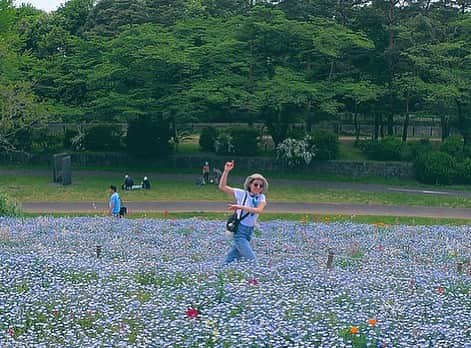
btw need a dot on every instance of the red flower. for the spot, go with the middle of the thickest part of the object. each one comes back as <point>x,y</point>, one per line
<point>11,331</point>
<point>253,281</point>
<point>441,290</point>
<point>192,312</point>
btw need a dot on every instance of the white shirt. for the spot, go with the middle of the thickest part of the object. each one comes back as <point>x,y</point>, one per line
<point>251,201</point>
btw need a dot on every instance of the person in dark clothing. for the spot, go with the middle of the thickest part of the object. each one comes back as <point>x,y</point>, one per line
<point>146,183</point>
<point>128,182</point>
<point>206,172</point>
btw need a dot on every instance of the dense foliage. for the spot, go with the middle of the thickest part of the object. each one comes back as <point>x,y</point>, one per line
<point>384,63</point>
<point>8,207</point>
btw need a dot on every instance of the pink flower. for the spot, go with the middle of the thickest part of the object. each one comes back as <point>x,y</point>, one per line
<point>441,290</point>
<point>192,313</point>
<point>11,331</point>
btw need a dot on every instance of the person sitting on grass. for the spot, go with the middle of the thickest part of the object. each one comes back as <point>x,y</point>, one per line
<point>146,183</point>
<point>128,183</point>
<point>216,175</point>
<point>206,173</point>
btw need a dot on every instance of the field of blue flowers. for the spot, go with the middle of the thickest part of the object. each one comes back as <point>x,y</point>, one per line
<point>98,282</point>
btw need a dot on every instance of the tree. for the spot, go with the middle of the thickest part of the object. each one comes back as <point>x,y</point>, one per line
<point>19,110</point>
<point>110,17</point>
<point>358,95</point>
<point>407,88</point>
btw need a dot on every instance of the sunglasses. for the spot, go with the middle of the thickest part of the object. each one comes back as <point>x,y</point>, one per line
<point>256,184</point>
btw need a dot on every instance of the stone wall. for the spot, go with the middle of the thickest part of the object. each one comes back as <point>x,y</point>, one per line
<point>255,164</point>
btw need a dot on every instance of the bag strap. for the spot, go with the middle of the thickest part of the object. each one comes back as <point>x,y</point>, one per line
<point>243,203</point>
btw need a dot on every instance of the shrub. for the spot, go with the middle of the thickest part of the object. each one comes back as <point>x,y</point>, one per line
<point>245,140</point>
<point>8,207</point>
<point>36,140</point>
<point>297,133</point>
<point>415,149</point>
<point>68,136</point>
<point>387,149</point>
<point>464,171</point>
<point>208,138</point>
<point>102,138</point>
<point>326,144</point>
<point>436,168</point>
<point>44,141</point>
<point>148,137</point>
<point>453,146</point>
<point>223,144</point>
<point>296,153</point>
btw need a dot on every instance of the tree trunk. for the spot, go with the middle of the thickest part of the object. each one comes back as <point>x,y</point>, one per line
<point>406,122</point>
<point>445,126</point>
<point>376,129</point>
<point>355,122</point>
<point>464,124</point>
<point>391,23</point>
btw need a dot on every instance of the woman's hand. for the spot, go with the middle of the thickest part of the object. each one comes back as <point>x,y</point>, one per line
<point>229,166</point>
<point>233,207</point>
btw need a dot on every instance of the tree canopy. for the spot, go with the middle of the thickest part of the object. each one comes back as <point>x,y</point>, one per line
<point>236,61</point>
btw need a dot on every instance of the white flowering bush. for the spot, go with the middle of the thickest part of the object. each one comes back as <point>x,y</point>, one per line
<point>296,153</point>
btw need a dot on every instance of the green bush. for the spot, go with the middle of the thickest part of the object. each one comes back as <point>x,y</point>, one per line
<point>37,140</point>
<point>69,135</point>
<point>245,140</point>
<point>102,138</point>
<point>8,207</point>
<point>415,149</point>
<point>326,144</point>
<point>148,137</point>
<point>223,144</point>
<point>297,133</point>
<point>436,168</point>
<point>453,146</point>
<point>44,141</point>
<point>387,149</point>
<point>464,171</point>
<point>208,138</point>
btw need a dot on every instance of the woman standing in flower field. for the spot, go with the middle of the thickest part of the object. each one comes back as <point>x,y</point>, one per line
<point>250,203</point>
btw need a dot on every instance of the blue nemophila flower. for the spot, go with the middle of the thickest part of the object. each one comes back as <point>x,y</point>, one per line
<point>58,293</point>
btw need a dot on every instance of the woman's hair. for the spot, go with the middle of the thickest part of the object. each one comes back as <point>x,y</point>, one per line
<point>253,177</point>
<point>113,188</point>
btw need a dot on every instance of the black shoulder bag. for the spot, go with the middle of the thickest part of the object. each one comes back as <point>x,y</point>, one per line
<point>234,221</point>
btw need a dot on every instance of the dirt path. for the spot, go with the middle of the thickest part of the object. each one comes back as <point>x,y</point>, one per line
<point>273,207</point>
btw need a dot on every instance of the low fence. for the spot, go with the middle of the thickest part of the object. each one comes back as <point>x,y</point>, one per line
<point>255,164</point>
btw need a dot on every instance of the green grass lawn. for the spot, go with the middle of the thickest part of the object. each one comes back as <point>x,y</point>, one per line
<point>39,188</point>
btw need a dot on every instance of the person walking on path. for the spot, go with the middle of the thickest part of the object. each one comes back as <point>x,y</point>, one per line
<point>250,202</point>
<point>115,202</point>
